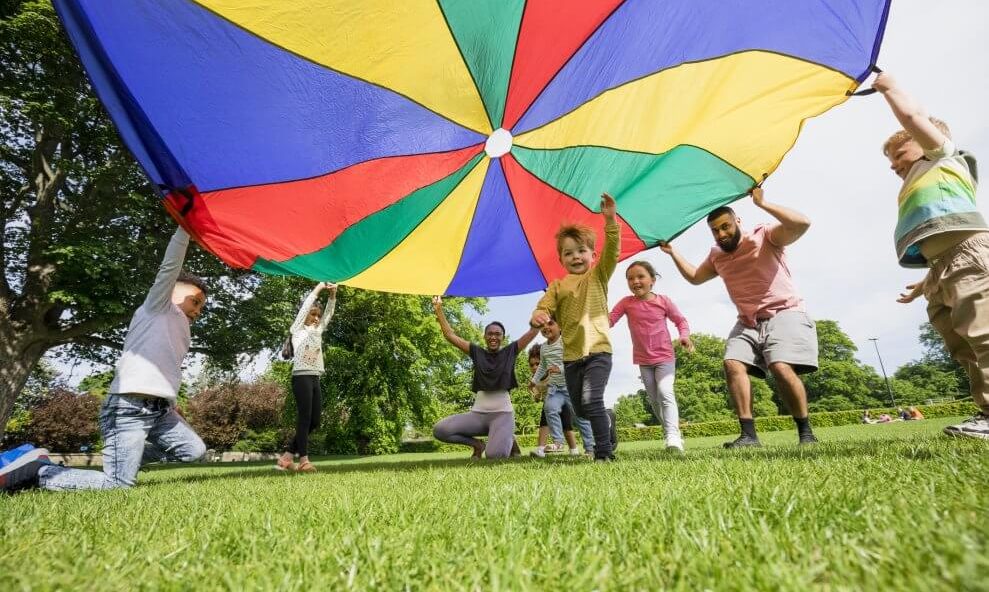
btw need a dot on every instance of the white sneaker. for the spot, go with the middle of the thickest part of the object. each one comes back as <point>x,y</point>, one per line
<point>976,426</point>
<point>575,452</point>
<point>675,447</point>
<point>538,452</point>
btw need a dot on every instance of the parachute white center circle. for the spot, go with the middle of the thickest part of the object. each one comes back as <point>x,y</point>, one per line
<point>499,143</point>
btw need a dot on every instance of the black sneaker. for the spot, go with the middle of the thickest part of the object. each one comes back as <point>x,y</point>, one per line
<point>743,441</point>
<point>21,477</point>
<point>807,439</point>
<point>974,427</point>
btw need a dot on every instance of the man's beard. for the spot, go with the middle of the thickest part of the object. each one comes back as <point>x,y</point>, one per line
<point>732,242</point>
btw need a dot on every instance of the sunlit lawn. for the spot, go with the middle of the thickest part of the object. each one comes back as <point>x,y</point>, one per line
<point>894,506</point>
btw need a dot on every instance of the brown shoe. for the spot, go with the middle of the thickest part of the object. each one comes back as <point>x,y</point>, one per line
<point>284,465</point>
<point>306,467</point>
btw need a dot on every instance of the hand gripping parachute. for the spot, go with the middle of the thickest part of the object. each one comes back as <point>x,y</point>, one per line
<point>435,147</point>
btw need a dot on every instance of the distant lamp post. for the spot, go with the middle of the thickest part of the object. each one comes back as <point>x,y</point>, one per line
<point>889,389</point>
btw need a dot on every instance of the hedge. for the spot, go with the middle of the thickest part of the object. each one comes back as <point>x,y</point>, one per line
<point>727,427</point>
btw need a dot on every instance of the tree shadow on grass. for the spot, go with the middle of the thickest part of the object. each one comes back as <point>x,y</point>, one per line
<point>911,450</point>
<point>266,470</point>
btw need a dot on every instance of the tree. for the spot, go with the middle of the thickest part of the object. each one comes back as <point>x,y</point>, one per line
<point>841,381</point>
<point>844,385</point>
<point>930,378</point>
<point>701,390</point>
<point>527,409</point>
<point>97,384</point>
<point>937,354</point>
<point>388,365</point>
<point>632,409</point>
<point>39,384</point>
<point>83,230</point>
<point>43,380</point>
<point>833,344</point>
<point>936,375</point>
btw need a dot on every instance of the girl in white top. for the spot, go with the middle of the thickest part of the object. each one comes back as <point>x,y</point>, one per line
<point>307,366</point>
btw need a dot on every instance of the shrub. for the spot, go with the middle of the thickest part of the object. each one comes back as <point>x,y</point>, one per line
<point>260,405</point>
<point>213,414</point>
<point>727,427</point>
<point>225,414</point>
<point>64,422</point>
<point>334,435</point>
<point>16,430</point>
<point>266,440</point>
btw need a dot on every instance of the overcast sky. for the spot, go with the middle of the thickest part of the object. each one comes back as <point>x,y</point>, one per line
<point>845,266</point>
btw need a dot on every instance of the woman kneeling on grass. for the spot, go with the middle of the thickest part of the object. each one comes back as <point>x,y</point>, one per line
<point>307,365</point>
<point>494,375</point>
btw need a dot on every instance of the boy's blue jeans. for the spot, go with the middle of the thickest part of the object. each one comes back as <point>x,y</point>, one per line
<point>557,398</point>
<point>136,431</point>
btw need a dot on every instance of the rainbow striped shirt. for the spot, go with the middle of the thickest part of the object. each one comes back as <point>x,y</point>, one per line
<point>938,196</point>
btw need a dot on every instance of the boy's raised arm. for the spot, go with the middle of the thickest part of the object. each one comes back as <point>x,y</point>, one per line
<point>160,295</point>
<point>612,239</point>
<point>909,113</point>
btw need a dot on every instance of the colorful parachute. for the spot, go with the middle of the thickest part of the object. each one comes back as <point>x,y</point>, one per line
<point>435,147</point>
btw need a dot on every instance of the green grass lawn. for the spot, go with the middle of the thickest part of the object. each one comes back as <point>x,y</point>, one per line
<point>873,507</point>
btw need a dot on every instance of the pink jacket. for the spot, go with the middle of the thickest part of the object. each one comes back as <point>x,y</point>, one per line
<point>647,323</point>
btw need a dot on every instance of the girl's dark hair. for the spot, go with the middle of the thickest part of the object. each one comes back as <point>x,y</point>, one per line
<point>536,351</point>
<point>496,323</point>
<point>644,265</point>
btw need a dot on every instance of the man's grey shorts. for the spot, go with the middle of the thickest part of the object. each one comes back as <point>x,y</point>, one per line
<point>789,337</point>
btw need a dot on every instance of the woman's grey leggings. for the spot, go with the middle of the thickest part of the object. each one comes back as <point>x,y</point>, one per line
<point>461,428</point>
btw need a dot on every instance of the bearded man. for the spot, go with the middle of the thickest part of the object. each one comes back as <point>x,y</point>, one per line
<point>773,332</point>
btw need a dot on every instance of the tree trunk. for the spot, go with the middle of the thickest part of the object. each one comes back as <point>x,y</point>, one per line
<point>19,353</point>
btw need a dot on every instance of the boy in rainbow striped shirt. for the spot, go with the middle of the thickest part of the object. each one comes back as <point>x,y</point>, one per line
<point>939,227</point>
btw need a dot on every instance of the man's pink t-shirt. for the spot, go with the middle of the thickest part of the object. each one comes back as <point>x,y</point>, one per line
<point>757,278</point>
<point>647,324</point>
